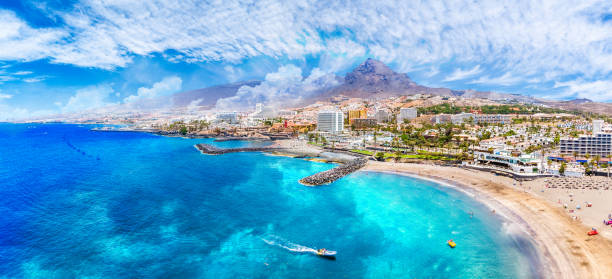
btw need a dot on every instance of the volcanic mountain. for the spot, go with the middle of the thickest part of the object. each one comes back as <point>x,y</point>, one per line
<point>373,79</point>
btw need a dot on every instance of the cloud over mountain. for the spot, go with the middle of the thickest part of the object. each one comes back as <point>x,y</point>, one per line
<point>165,87</point>
<point>284,88</point>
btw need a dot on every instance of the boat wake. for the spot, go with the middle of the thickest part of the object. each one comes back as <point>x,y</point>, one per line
<point>287,245</point>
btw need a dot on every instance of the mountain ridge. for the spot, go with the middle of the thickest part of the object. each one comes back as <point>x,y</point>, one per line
<point>373,79</point>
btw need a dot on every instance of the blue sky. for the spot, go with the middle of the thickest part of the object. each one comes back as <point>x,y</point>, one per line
<point>68,56</point>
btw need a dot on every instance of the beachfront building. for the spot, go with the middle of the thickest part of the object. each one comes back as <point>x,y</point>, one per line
<point>599,144</point>
<point>511,161</point>
<point>330,121</point>
<point>406,113</point>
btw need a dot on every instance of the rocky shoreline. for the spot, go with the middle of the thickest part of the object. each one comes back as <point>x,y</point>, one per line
<point>334,174</point>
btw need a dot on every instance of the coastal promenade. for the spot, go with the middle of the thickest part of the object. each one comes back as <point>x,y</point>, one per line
<point>563,247</point>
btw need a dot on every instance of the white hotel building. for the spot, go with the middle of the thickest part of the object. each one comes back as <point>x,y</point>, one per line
<point>406,113</point>
<point>600,143</point>
<point>330,121</point>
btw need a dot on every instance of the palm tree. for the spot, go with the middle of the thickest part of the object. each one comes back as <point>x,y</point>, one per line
<point>609,162</point>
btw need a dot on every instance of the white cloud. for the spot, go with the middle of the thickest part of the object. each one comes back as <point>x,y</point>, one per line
<point>35,79</point>
<point>4,78</point>
<point>89,98</point>
<point>504,80</point>
<point>5,96</point>
<point>22,73</point>
<point>18,41</point>
<point>524,39</point>
<point>460,74</point>
<point>523,33</point>
<point>600,90</point>
<point>166,86</point>
<point>283,88</point>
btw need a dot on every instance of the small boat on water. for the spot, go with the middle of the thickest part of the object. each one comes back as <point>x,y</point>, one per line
<point>324,253</point>
<point>451,243</point>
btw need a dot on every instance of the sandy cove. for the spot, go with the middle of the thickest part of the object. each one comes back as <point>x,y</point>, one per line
<point>565,249</point>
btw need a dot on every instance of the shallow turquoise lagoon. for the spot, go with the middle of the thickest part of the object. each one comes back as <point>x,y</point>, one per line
<point>79,203</point>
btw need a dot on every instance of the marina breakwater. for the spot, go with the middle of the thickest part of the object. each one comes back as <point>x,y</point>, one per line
<point>212,150</point>
<point>334,174</point>
<point>317,179</point>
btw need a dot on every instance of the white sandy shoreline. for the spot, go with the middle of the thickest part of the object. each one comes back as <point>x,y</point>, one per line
<point>564,248</point>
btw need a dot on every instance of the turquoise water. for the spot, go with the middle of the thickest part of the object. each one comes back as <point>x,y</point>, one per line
<point>79,203</point>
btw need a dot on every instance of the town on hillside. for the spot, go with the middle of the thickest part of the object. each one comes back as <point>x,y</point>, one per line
<point>522,140</point>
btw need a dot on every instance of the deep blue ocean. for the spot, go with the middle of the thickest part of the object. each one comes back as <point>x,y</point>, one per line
<point>76,203</point>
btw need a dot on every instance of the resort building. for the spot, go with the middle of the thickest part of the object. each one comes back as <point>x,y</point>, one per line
<point>599,127</point>
<point>228,117</point>
<point>526,163</point>
<point>493,118</point>
<point>462,118</point>
<point>440,119</point>
<point>361,123</point>
<point>600,143</point>
<point>382,116</point>
<point>330,121</point>
<point>354,114</point>
<point>406,113</point>
<point>262,112</point>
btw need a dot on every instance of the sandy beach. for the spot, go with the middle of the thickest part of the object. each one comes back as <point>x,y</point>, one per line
<point>565,248</point>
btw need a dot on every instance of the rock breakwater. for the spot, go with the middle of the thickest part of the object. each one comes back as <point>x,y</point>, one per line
<point>334,174</point>
<point>212,150</point>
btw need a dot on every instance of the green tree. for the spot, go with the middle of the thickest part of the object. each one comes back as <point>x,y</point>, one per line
<point>562,169</point>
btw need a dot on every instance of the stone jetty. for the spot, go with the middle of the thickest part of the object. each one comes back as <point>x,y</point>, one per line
<point>334,174</point>
<point>212,150</point>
